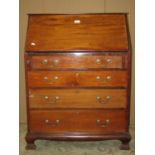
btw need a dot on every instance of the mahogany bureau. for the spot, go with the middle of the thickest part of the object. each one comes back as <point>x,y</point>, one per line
<point>77,70</point>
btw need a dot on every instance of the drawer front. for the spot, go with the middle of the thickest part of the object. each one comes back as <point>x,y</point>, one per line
<point>79,79</point>
<point>77,121</point>
<point>77,98</point>
<point>77,60</point>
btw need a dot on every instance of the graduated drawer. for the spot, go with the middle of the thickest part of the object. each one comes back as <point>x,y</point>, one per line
<point>77,78</point>
<point>77,98</point>
<point>76,60</point>
<point>77,121</point>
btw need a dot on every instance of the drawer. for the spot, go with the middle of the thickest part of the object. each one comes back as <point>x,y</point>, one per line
<point>77,79</point>
<point>77,98</point>
<point>77,121</point>
<point>76,60</point>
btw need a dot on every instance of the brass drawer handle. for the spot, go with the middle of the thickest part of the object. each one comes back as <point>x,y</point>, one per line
<point>98,61</point>
<point>33,44</point>
<point>103,124</point>
<point>98,78</point>
<point>51,99</point>
<point>56,62</point>
<point>102,100</point>
<point>45,61</point>
<point>45,78</point>
<point>55,78</point>
<point>109,77</point>
<point>57,97</point>
<point>57,121</point>
<point>108,97</point>
<point>109,61</point>
<point>98,97</point>
<point>102,80</point>
<point>53,123</point>
<point>46,97</point>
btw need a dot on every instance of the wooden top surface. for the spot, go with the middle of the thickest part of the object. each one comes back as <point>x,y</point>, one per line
<point>87,32</point>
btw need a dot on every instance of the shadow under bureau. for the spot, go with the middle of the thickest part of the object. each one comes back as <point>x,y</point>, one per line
<point>77,70</point>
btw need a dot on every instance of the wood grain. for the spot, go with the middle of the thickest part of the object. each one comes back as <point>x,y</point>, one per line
<point>104,32</point>
<point>77,98</point>
<point>77,78</point>
<point>75,60</point>
<point>77,121</point>
<point>67,98</point>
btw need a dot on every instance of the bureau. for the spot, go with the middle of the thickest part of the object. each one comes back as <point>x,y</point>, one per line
<point>78,70</point>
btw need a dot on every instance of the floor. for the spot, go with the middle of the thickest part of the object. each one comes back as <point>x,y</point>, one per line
<point>74,148</point>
